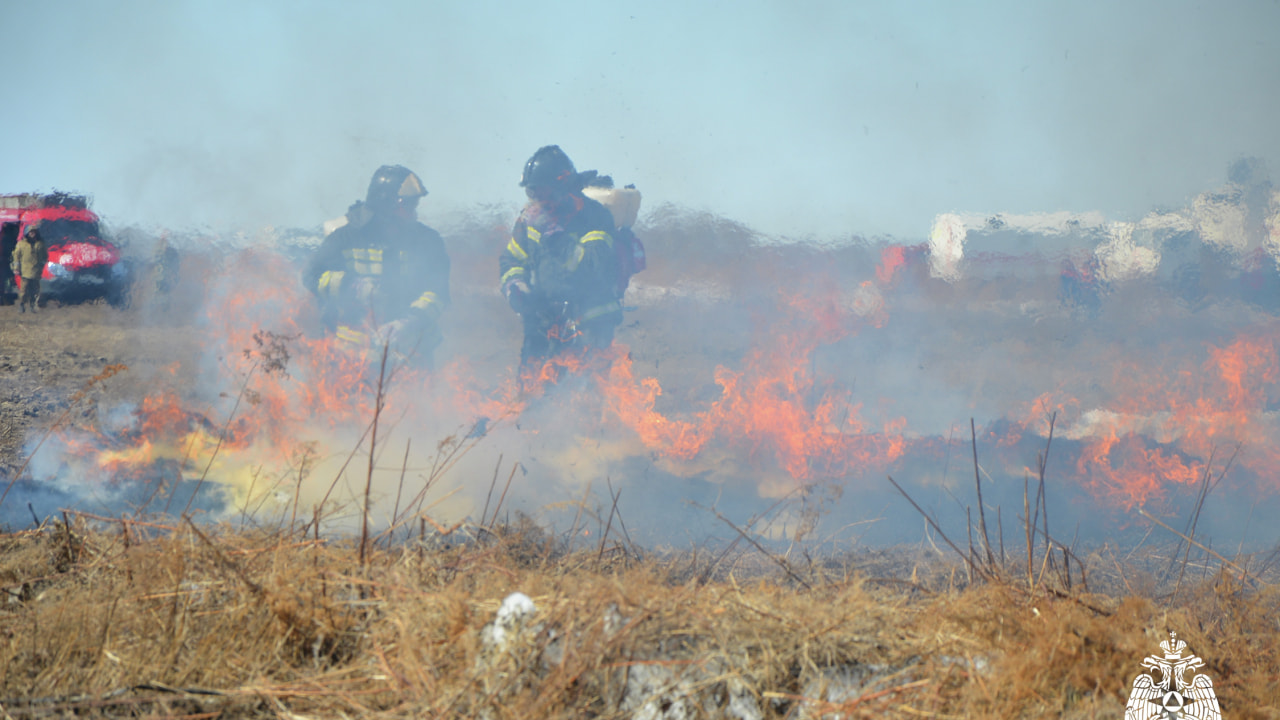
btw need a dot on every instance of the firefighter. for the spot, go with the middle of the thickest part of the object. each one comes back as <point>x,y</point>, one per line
<point>168,264</point>
<point>559,270</point>
<point>29,258</point>
<point>8,243</point>
<point>383,277</point>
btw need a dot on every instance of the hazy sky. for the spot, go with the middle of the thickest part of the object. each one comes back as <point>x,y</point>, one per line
<point>797,118</point>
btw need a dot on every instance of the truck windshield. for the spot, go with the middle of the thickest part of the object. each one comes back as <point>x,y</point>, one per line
<point>62,232</point>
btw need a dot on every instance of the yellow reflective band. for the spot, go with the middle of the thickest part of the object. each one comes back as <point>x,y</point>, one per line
<point>429,305</point>
<point>596,235</point>
<point>424,300</point>
<point>369,254</point>
<point>514,248</point>
<point>347,334</point>
<point>326,277</point>
<point>511,273</point>
<point>605,309</point>
<point>535,236</point>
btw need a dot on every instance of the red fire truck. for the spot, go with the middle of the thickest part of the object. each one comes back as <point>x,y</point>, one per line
<point>83,265</point>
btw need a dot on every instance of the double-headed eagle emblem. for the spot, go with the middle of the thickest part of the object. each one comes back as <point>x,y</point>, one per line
<point>1168,693</point>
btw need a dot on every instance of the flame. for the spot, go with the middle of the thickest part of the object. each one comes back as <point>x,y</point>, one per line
<point>1174,425</point>
<point>892,257</point>
<point>1167,421</point>
<point>772,411</point>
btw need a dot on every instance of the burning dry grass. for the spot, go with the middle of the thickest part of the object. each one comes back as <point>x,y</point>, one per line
<point>125,618</point>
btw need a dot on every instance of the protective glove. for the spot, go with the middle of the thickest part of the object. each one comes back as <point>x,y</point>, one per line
<point>518,297</point>
<point>413,338</point>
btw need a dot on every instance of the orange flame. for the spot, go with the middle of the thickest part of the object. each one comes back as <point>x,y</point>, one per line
<point>1162,427</point>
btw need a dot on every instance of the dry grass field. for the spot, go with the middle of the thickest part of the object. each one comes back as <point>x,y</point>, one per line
<point>128,618</point>
<point>762,382</point>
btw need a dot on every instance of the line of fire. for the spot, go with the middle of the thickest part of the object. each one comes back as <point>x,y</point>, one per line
<point>1128,365</point>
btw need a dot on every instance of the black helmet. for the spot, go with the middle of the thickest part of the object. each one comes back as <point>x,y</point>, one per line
<point>32,233</point>
<point>392,183</point>
<point>548,166</point>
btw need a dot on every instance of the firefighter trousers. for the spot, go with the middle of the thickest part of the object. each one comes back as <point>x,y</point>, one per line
<point>30,292</point>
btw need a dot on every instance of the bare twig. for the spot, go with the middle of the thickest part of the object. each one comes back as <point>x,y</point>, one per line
<point>977,479</point>
<point>404,468</point>
<point>935,526</point>
<point>492,484</point>
<point>253,482</point>
<point>1221,559</point>
<point>1000,529</point>
<point>1042,504</point>
<point>297,489</point>
<point>373,443</point>
<point>502,498</point>
<point>706,573</point>
<point>968,526</point>
<point>448,453</point>
<point>609,523</point>
<point>1026,523</point>
<point>1205,488</point>
<point>581,504</point>
<point>338,476</point>
<point>225,561</point>
<point>781,562</point>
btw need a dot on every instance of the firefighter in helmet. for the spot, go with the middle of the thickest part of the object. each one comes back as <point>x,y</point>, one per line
<point>559,270</point>
<point>383,277</point>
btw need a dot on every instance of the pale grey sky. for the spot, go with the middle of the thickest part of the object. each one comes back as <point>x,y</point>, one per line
<point>798,118</point>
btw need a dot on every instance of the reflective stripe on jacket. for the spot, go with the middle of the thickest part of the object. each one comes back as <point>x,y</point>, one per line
<point>564,257</point>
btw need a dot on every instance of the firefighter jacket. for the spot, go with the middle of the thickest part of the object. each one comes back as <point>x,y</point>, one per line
<point>564,255</point>
<point>30,258</point>
<point>377,269</point>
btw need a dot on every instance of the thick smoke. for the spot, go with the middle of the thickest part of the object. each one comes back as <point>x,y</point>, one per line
<point>828,123</point>
<point>822,121</point>
<point>783,382</point>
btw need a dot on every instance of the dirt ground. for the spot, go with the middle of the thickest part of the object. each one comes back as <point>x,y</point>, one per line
<point>48,357</point>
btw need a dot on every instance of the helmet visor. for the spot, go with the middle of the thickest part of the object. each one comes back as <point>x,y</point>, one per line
<point>411,188</point>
